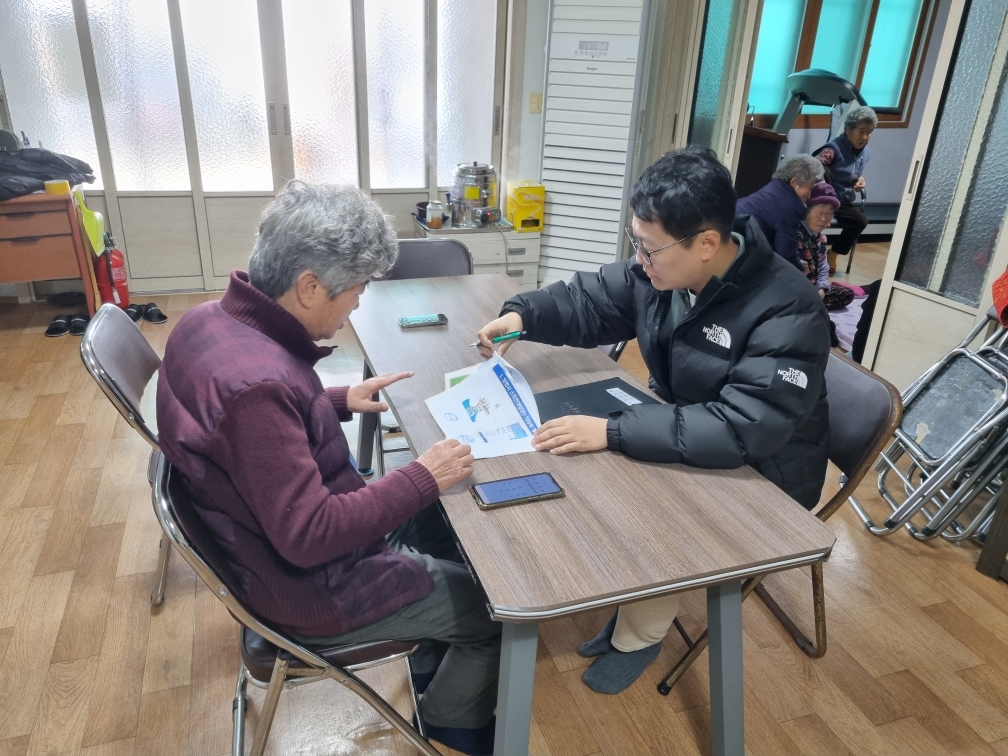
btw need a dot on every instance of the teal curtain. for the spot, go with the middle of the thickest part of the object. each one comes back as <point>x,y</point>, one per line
<point>776,50</point>
<point>892,40</point>
<point>839,41</point>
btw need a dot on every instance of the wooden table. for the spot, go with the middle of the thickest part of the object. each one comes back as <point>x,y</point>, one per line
<point>625,530</point>
<point>40,240</point>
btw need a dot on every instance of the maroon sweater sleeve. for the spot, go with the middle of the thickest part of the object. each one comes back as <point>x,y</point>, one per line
<point>262,443</point>
<point>338,397</point>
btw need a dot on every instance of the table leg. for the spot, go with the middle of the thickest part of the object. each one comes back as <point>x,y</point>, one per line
<point>514,689</point>
<point>724,621</point>
<point>365,440</point>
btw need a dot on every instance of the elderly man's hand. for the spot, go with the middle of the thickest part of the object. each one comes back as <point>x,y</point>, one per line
<point>859,184</point>
<point>573,433</point>
<point>359,397</point>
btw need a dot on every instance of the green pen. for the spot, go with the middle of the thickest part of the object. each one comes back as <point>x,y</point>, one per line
<point>505,337</point>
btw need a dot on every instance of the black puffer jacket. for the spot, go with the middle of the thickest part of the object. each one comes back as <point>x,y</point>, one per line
<point>745,374</point>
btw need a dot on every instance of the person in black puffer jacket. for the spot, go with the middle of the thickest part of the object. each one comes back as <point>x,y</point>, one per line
<point>735,341</point>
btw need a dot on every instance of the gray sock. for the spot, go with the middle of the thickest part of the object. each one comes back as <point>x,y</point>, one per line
<point>616,670</point>
<point>601,642</point>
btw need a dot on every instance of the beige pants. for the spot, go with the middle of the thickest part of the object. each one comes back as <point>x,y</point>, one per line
<point>644,623</point>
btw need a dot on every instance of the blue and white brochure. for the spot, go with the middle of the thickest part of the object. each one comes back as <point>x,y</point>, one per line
<point>492,410</point>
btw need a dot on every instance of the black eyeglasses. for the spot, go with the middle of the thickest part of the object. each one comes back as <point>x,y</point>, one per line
<point>646,253</point>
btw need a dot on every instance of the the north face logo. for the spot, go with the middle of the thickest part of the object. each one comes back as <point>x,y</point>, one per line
<point>718,335</point>
<point>794,376</point>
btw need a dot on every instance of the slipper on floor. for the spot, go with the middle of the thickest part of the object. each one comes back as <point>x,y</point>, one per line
<point>60,326</point>
<point>78,324</point>
<point>152,314</point>
<point>136,312</point>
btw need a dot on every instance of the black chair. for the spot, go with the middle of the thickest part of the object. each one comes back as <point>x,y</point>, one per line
<point>418,258</point>
<point>269,658</point>
<point>613,351</point>
<point>118,357</point>
<point>431,258</point>
<point>864,410</point>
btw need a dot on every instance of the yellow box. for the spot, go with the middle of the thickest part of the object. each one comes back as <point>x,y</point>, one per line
<point>526,203</point>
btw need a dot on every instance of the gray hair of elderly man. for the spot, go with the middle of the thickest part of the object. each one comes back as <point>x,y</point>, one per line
<point>804,168</point>
<point>859,114</point>
<point>335,231</point>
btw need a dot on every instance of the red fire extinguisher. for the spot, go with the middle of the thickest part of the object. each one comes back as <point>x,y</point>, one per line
<point>110,273</point>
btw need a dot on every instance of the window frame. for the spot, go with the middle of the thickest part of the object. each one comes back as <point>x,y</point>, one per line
<point>911,77</point>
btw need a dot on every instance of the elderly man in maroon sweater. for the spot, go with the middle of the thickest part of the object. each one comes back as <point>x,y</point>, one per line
<point>244,417</point>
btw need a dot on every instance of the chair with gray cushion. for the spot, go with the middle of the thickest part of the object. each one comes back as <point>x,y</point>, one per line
<point>118,357</point>
<point>418,258</point>
<point>431,258</point>
<point>864,410</point>
<point>270,658</point>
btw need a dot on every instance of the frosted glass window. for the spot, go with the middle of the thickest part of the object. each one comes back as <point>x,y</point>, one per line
<point>44,80</point>
<point>396,64</point>
<point>776,51</point>
<point>960,274</point>
<point>842,25</point>
<point>229,101</point>
<point>710,89</point>
<point>983,216</point>
<point>139,91</point>
<point>892,40</point>
<point>318,40</point>
<point>467,43</point>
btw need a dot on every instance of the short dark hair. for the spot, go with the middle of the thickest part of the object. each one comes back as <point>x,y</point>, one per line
<point>686,191</point>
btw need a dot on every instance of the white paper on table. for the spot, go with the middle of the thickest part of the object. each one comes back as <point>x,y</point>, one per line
<point>493,410</point>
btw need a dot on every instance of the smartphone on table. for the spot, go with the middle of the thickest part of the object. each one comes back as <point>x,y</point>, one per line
<point>423,321</point>
<point>525,488</point>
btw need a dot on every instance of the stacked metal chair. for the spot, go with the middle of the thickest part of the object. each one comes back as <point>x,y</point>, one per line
<point>951,449</point>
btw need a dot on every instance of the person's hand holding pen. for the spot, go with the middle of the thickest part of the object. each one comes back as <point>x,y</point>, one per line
<point>506,324</point>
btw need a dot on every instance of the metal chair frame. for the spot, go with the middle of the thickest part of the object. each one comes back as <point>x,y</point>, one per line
<point>288,649</point>
<point>131,415</point>
<point>815,649</point>
<point>970,466</point>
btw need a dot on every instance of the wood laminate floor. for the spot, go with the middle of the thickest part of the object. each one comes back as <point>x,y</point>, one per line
<point>918,640</point>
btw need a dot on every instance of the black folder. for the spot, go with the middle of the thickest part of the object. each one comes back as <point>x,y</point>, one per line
<point>596,399</point>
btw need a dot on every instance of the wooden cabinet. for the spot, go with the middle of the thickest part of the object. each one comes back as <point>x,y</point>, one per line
<point>40,240</point>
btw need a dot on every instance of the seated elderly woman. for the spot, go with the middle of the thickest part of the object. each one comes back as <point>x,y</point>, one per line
<point>779,207</point>
<point>244,417</point>
<point>846,157</point>
<point>821,204</point>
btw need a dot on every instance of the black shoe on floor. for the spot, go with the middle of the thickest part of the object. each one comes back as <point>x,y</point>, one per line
<point>478,742</point>
<point>601,643</point>
<point>616,670</point>
<point>152,314</point>
<point>60,326</point>
<point>78,324</point>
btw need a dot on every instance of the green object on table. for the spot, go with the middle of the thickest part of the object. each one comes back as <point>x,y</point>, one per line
<point>504,337</point>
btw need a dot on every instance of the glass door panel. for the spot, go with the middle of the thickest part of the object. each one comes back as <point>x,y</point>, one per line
<point>963,195</point>
<point>724,59</point>
<point>396,69</point>
<point>47,101</point>
<point>229,102</point>
<point>318,44</point>
<point>139,91</point>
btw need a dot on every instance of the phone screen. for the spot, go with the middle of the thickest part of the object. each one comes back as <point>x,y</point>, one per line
<point>499,492</point>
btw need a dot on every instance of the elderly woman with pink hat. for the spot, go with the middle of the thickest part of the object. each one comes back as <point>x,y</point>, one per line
<point>821,204</point>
